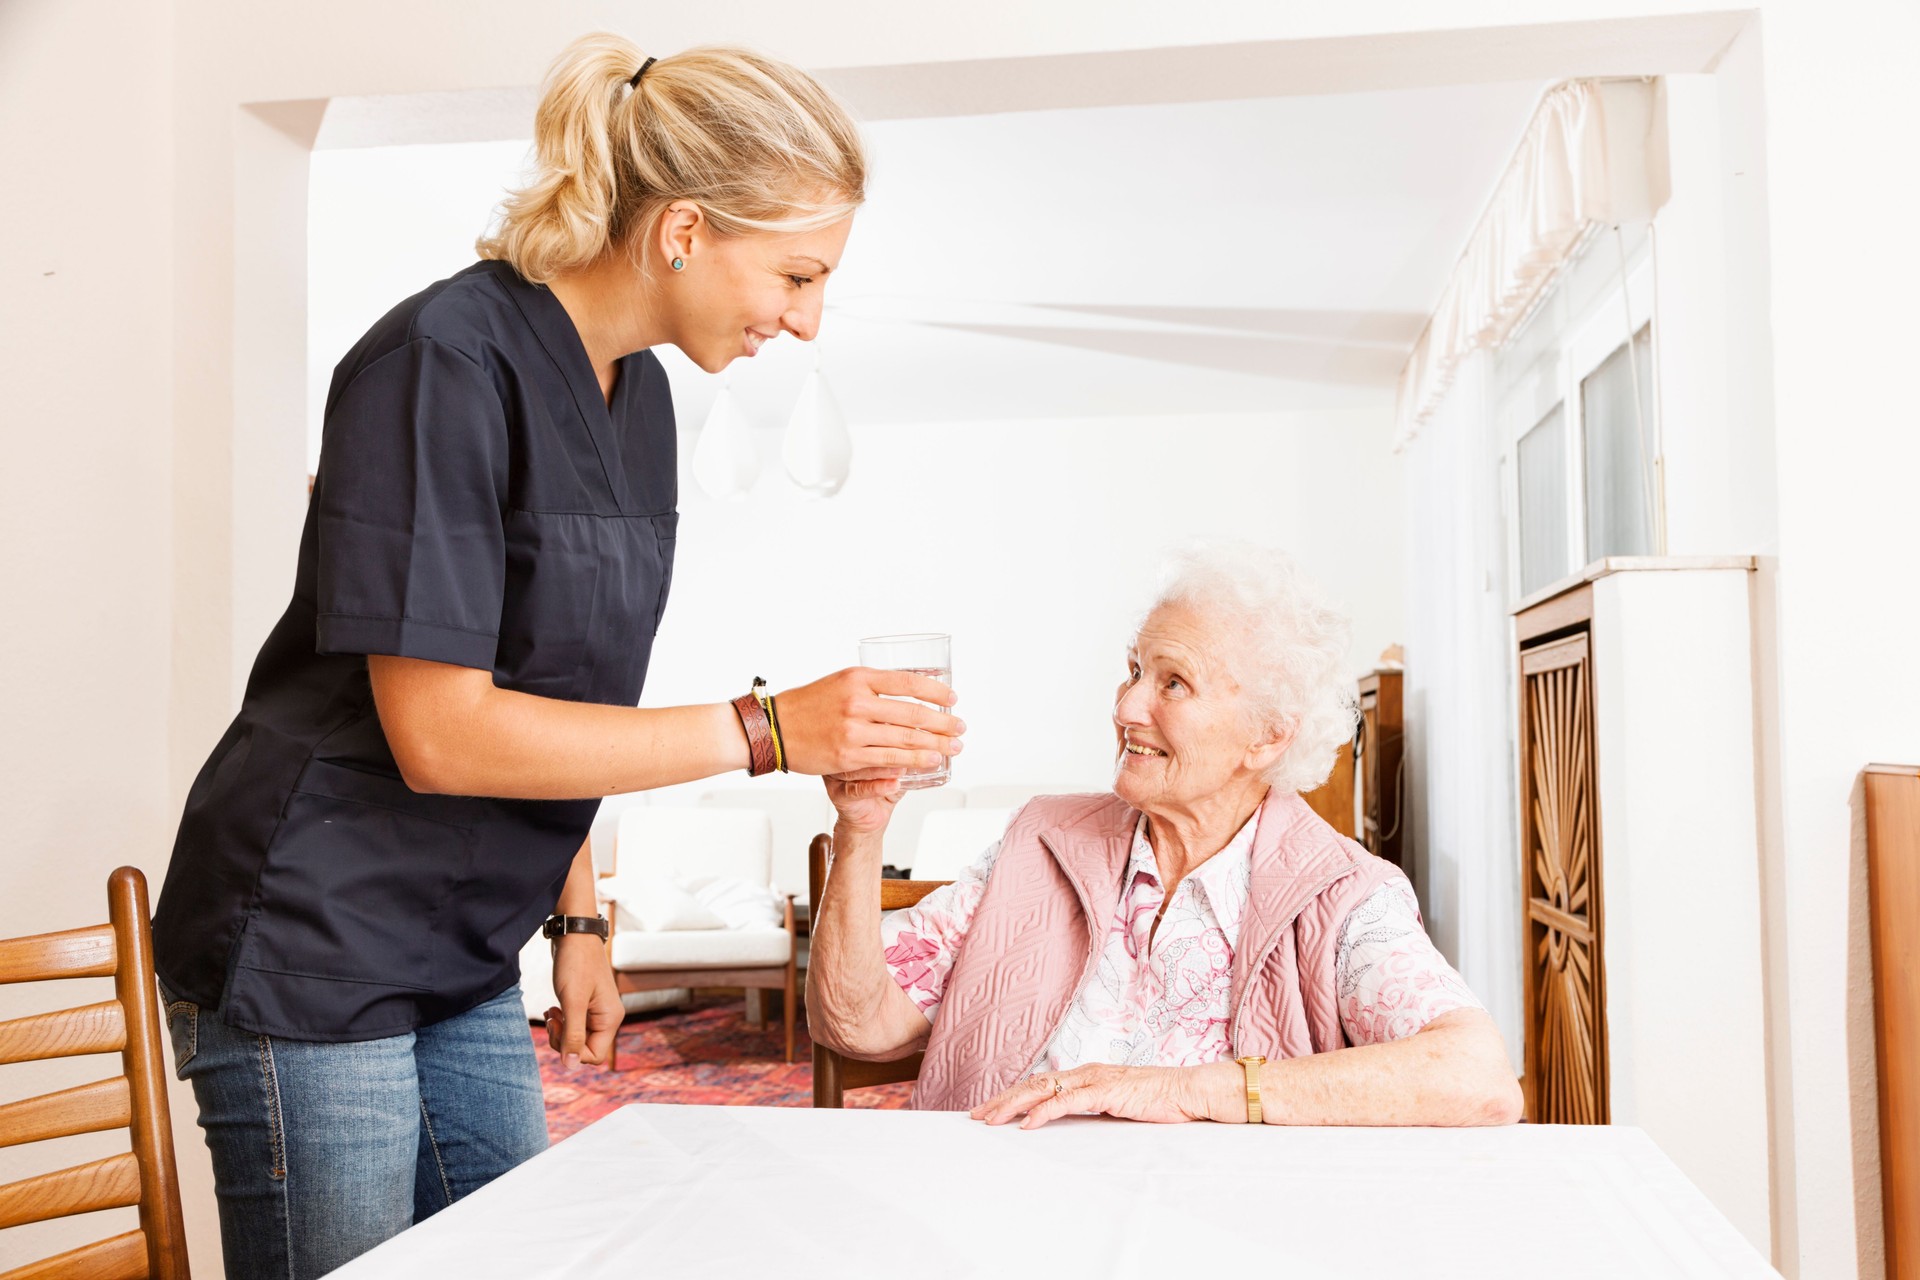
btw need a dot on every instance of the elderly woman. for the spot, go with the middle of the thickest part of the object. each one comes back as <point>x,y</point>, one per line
<point>1196,945</point>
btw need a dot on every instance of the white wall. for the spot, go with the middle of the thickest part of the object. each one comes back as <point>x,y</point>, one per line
<point>384,223</point>
<point>1034,544</point>
<point>86,360</point>
<point>1846,266</point>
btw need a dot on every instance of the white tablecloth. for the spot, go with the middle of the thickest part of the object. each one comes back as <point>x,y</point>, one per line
<point>776,1192</point>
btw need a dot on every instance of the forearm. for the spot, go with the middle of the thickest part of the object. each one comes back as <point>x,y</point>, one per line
<point>498,742</point>
<point>1453,1073</point>
<point>578,896</point>
<point>853,1004</point>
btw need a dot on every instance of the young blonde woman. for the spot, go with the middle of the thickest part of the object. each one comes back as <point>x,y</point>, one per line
<point>405,794</point>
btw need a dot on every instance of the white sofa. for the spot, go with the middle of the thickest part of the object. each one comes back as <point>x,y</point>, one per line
<point>693,902</point>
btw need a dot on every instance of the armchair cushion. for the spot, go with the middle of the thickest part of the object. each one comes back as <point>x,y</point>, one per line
<point>702,949</point>
<point>736,903</point>
<point>653,903</point>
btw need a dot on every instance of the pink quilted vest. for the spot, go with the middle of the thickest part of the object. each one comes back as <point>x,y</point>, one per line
<point>1052,897</point>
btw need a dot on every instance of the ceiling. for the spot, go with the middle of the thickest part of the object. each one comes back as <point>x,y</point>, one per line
<point>1194,257</point>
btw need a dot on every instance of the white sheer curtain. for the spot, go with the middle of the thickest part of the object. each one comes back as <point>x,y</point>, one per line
<point>1593,154</point>
<point>1459,700</point>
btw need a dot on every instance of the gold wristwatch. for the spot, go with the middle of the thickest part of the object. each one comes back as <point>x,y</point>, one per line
<point>1251,1065</point>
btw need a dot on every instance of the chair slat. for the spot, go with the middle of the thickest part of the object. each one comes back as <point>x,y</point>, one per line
<point>87,1108</point>
<point>92,1028</point>
<point>74,953</point>
<point>896,894</point>
<point>113,1183</point>
<point>856,1073</point>
<point>122,1257</point>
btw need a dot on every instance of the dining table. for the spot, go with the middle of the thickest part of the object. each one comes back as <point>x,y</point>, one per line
<point>724,1191</point>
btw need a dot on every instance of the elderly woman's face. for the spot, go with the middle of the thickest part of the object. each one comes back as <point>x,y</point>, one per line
<point>1183,729</point>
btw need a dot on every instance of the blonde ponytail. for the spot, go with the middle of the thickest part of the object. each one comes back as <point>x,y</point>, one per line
<point>759,145</point>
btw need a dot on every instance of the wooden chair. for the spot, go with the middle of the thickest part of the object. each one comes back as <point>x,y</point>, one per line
<point>137,1098</point>
<point>835,1073</point>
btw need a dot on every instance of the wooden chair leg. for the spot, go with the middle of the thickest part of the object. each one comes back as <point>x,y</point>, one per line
<point>826,1079</point>
<point>787,1003</point>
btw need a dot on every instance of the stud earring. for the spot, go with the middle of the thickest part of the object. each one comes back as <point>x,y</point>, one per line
<point>679,264</point>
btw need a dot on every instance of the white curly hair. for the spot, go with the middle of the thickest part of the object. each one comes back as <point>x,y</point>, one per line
<point>1284,643</point>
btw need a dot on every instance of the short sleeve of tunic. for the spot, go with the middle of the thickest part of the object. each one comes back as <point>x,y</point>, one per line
<point>410,536</point>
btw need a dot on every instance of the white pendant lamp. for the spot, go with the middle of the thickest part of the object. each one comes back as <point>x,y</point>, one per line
<point>724,462</point>
<point>818,451</point>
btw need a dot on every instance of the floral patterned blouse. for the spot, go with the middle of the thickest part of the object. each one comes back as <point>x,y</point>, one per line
<point>1159,998</point>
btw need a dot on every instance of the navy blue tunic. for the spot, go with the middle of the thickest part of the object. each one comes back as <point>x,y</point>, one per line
<point>478,503</point>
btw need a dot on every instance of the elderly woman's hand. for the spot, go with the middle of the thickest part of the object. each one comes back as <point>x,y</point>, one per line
<point>864,804</point>
<point>1163,1095</point>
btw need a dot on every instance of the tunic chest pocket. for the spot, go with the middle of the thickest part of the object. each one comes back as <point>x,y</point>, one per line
<point>356,878</point>
<point>555,561</point>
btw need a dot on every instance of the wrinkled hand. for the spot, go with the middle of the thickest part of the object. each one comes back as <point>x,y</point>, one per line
<point>1161,1095</point>
<point>848,723</point>
<point>582,1026</point>
<point>865,804</point>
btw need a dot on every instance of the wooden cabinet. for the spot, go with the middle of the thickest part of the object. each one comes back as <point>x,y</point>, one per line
<point>1333,799</point>
<point>1566,1003</point>
<point>1637,890</point>
<point>1363,797</point>
<point>1379,752</point>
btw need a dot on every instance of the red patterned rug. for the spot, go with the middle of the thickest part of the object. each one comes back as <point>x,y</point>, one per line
<point>706,1053</point>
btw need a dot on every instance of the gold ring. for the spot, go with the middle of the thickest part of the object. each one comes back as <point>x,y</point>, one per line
<point>1058,1088</point>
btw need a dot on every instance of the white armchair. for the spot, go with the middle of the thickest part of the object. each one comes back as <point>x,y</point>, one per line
<point>693,903</point>
<point>951,840</point>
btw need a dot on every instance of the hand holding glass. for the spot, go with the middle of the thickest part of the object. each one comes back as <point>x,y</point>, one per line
<point>927,654</point>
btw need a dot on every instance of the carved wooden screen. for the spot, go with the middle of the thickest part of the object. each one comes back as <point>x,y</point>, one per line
<point>1566,1049</point>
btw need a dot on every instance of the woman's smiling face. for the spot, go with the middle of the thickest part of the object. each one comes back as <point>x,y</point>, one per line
<point>736,293</point>
<point>1183,729</point>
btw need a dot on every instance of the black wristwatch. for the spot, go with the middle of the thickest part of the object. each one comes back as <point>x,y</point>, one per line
<point>557,927</point>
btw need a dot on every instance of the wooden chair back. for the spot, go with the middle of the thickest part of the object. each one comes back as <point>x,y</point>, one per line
<point>835,1073</point>
<point>144,1177</point>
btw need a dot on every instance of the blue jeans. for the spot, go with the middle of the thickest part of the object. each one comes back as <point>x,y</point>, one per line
<point>322,1151</point>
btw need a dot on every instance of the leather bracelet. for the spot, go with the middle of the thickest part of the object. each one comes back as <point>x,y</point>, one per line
<point>761,754</point>
<point>779,739</point>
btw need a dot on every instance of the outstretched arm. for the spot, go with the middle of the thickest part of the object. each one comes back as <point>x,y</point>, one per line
<point>453,731</point>
<point>853,1004</point>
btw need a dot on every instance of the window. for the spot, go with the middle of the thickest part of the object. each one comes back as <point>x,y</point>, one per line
<point>1543,507</point>
<point>1574,401</point>
<point>1616,409</point>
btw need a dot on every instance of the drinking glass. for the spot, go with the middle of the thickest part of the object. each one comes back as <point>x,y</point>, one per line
<point>926,653</point>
